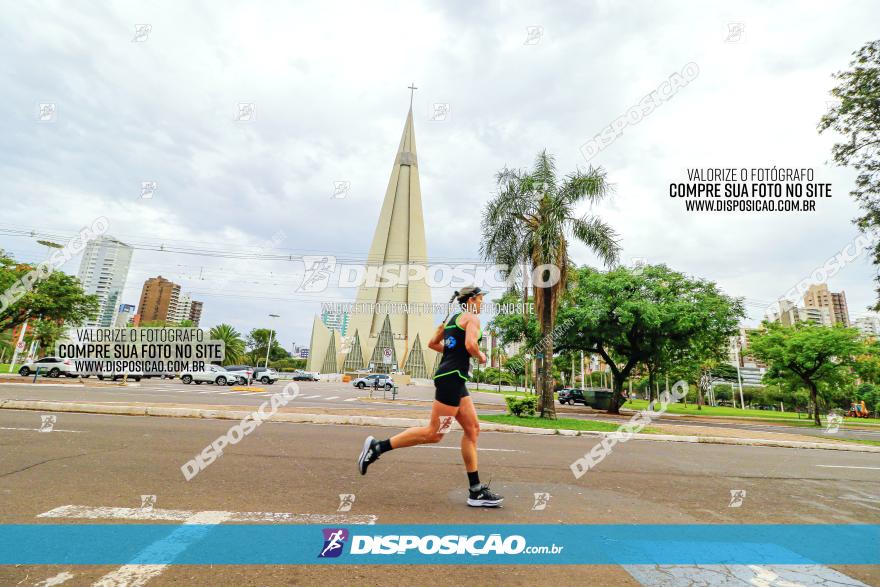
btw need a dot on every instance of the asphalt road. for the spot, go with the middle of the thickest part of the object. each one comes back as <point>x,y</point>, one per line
<point>111,461</point>
<point>344,396</point>
<point>154,391</point>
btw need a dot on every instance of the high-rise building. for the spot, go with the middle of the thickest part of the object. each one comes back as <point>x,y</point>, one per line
<point>398,340</point>
<point>159,298</point>
<point>195,313</point>
<point>818,296</point>
<point>184,306</point>
<point>750,371</point>
<point>788,314</point>
<point>869,325</point>
<point>103,271</point>
<point>124,315</point>
<point>336,321</point>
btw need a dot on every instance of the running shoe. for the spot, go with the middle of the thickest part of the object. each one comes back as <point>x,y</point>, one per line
<point>369,454</point>
<point>482,497</point>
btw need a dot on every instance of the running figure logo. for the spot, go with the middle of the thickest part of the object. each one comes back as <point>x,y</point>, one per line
<point>47,422</point>
<point>346,500</point>
<point>737,496</point>
<point>834,420</point>
<point>318,270</point>
<point>541,501</point>
<point>445,424</point>
<point>334,540</point>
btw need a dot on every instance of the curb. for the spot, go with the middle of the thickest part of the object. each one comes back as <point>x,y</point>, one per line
<point>220,414</point>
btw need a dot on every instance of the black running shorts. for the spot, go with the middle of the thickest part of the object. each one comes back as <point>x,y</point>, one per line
<point>449,389</point>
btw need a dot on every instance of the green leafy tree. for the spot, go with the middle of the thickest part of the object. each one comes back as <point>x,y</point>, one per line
<point>867,364</point>
<point>516,367</point>
<point>289,364</point>
<point>532,217</point>
<point>856,116</point>
<point>232,340</point>
<point>258,340</point>
<point>870,394</point>
<point>623,315</point>
<point>511,328</point>
<point>59,297</point>
<point>47,333</point>
<point>819,357</point>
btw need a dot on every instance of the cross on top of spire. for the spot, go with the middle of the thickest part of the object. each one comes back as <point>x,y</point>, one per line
<point>412,88</point>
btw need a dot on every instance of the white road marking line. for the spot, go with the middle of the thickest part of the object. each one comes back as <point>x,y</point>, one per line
<point>457,448</point>
<point>781,575</point>
<point>56,580</point>
<point>848,467</point>
<point>352,399</point>
<point>38,430</point>
<point>157,514</point>
<point>136,574</point>
<point>311,396</point>
<point>333,397</point>
<point>204,392</point>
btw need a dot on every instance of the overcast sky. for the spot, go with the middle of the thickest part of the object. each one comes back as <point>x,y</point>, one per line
<point>329,86</point>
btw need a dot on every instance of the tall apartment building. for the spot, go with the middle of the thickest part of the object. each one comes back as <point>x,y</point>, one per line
<point>819,297</point>
<point>788,314</point>
<point>195,313</point>
<point>103,271</point>
<point>184,305</point>
<point>159,299</point>
<point>869,325</point>
<point>751,370</point>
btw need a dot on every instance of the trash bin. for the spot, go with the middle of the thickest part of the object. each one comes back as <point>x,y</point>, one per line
<point>589,396</point>
<point>602,400</point>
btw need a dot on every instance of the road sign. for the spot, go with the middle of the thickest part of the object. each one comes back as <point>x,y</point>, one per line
<point>20,346</point>
<point>386,355</point>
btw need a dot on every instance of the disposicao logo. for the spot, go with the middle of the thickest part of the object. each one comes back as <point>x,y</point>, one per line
<point>334,541</point>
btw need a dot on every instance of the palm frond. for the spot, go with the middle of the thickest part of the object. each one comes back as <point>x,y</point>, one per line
<point>590,185</point>
<point>599,236</point>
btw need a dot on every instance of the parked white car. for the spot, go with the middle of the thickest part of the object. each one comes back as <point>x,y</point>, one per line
<point>49,366</point>
<point>211,374</point>
<point>378,380</point>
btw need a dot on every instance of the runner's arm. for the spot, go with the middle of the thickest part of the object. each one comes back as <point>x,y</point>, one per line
<point>471,342</point>
<point>436,342</point>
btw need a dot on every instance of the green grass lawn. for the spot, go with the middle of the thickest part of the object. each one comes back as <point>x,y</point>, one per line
<point>780,417</point>
<point>560,424</point>
<point>860,441</point>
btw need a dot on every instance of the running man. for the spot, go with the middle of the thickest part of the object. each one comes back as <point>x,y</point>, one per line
<point>458,339</point>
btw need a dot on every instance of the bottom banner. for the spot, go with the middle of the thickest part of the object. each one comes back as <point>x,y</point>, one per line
<point>240,544</point>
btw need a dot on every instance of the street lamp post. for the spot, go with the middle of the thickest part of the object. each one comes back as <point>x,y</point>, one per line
<point>269,346</point>
<point>742,402</point>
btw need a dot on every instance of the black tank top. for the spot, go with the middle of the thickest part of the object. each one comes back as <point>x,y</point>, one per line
<point>456,359</point>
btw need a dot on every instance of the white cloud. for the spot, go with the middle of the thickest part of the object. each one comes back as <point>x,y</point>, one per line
<point>328,81</point>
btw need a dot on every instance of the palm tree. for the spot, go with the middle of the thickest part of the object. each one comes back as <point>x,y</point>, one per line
<point>531,219</point>
<point>232,341</point>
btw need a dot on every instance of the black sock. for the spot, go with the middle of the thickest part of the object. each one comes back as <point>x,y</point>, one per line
<point>384,446</point>
<point>473,478</point>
